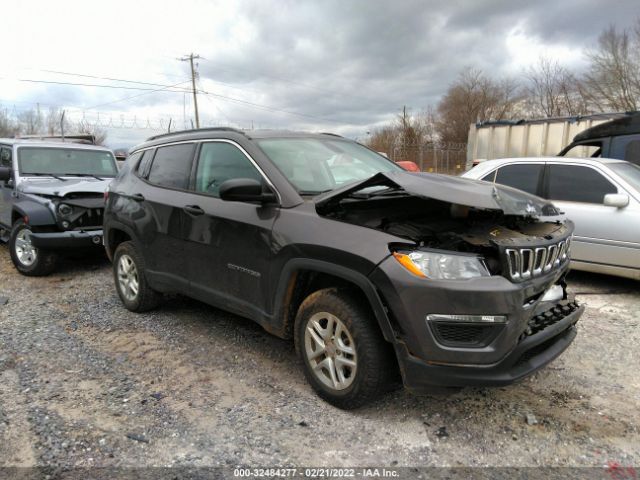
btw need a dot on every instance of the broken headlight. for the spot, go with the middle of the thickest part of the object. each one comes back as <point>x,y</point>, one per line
<point>442,266</point>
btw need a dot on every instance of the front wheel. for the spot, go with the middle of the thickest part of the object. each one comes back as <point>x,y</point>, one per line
<point>27,259</point>
<point>345,358</point>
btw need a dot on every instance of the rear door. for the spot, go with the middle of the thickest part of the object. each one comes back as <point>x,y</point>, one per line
<point>605,235</point>
<point>161,195</point>
<point>228,244</point>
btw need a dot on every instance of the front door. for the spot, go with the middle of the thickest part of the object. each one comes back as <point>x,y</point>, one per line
<point>228,243</point>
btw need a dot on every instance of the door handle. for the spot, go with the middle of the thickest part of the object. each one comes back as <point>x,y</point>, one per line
<point>193,210</point>
<point>138,197</point>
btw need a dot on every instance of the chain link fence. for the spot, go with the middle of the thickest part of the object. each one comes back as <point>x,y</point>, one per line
<point>448,158</point>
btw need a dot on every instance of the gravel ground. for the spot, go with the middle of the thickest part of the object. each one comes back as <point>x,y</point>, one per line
<point>84,382</point>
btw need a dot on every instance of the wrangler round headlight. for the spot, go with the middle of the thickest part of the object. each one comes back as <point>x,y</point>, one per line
<point>65,210</point>
<point>442,266</point>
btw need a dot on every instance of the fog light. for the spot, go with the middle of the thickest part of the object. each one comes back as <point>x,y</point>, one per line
<point>437,317</point>
<point>65,224</point>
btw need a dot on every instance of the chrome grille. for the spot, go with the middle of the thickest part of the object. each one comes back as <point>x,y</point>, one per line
<point>525,263</point>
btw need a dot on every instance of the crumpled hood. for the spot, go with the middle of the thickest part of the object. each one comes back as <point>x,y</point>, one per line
<point>53,186</point>
<point>455,190</point>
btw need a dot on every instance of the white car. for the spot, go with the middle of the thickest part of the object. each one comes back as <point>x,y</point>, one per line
<point>601,196</point>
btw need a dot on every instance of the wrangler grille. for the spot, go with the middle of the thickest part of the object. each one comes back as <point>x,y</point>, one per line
<point>526,263</point>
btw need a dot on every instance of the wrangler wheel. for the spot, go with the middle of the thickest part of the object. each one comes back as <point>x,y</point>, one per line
<point>345,358</point>
<point>28,259</point>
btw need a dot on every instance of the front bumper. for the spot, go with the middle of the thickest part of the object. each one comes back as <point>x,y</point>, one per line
<point>67,240</point>
<point>529,356</point>
<point>521,346</point>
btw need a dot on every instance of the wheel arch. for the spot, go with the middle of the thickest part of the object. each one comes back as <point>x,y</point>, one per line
<point>114,235</point>
<point>36,214</point>
<point>301,277</point>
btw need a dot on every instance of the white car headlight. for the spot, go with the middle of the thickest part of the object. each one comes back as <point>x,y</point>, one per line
<point>442,266</point>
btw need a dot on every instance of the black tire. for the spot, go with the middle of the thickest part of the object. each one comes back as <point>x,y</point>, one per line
<point>39,263</point>
<point>146,298</point>
<point>376,365</point>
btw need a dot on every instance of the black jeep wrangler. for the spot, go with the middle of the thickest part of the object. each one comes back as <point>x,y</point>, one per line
<point>376,273</point>
<point>51,200</point>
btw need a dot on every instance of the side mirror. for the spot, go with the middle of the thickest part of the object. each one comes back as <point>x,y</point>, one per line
<point>246,190</point>
<point>618,200</point>
<point>409,166</point>
<point>5,174</point>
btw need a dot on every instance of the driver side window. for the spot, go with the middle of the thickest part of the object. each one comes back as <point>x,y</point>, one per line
<point>219,162</point>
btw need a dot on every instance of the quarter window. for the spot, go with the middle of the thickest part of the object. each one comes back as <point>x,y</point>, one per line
<point>171,166</point>
<point>521,176</point>
<point>572,183</point>
<point>219,162</point>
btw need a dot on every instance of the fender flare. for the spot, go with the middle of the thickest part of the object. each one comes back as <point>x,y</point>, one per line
<point>352,276</point>
<point>115,225</point>
<point>37,213</point>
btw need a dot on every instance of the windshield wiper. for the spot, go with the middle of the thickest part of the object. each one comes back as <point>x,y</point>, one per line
<point>57,177</point>
<point>84,175</point>
<point>312,192</point>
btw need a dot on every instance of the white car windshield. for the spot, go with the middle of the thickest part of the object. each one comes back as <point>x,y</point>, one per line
<point>66,162</point>
<point>315,165</point>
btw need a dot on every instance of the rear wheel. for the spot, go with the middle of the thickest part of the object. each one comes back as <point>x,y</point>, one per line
<point>345,358</point>
<point>28,259</point>
<point>131,283</point>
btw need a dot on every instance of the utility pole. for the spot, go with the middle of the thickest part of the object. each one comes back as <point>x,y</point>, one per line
<point>191,57</point>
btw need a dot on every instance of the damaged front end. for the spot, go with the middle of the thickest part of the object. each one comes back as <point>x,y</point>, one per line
<point>474,279</point>
<point>492,230</point>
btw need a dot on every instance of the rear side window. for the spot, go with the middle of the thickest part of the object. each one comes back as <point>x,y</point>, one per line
<point>219,162</point>
<point>572,183</point>
<point>171,166</point>
<point>522,176</point>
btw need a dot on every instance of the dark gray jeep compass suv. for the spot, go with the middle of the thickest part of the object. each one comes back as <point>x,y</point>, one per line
<point>376,273</point>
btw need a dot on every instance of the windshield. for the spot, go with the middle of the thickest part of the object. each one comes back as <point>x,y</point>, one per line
<point>629,172</point>
<point>318,165</point>
<point>66,161</point>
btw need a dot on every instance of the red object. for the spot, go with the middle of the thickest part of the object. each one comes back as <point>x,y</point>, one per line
<point>409,166</point>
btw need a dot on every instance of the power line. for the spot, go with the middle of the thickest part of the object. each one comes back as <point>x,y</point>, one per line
<point>121,87</point>
<point>105,78</point>
<point>136,96</point>
<point>265,107</point>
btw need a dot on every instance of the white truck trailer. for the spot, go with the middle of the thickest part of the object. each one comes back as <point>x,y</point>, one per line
<point>530,138</point>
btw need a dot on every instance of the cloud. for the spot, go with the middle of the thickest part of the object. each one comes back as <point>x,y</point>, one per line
<point>333,65</point>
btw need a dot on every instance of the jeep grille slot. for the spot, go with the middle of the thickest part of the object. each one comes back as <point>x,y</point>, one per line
<point>525,263</point>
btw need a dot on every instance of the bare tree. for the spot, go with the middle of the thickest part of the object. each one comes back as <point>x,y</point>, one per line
<point>612,82</point>
<point>8,126</point>
<point>471,98</point>
<point>31,122</point>
<point>100,134</point>
<point>553,91</point>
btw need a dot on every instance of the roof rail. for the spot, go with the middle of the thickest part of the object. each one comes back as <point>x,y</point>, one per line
<point>79,138</point>
<point>193,130</point>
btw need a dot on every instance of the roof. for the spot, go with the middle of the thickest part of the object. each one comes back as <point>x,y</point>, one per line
<point>226,132</point>
<point>570,119</point>
<point>50,144</point>
<point>620,126</point>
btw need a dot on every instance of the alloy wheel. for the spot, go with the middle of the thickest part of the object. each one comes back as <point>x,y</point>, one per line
<point>25,251</point>
<point>330,350</point>
<point>128,277</point>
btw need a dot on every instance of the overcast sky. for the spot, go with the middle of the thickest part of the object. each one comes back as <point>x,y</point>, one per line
<point>341,66</point>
